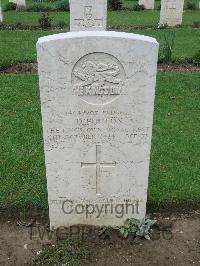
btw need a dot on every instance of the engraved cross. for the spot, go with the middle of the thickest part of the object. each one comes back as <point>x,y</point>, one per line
<point>98,166</point>
<point>88,20</point>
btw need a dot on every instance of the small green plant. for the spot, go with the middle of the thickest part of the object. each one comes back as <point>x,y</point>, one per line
<point>138,7</point>
<point>10,6</point>
<point>18,24</point>
<point>6,63</point>
<point>159,7</point>
<point>190,6</point>
<point>138,227</point>
<point>114,5</point>
<point>45,21</point>
<point>196,58</point>
<point>167,52</point>
<point>196,24</point>
<point>61,24</point>
<point>63,5</point>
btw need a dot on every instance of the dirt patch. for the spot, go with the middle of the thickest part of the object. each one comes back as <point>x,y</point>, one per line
<point>21,68</point>
<point>31,68</point>
<point>19,245</point>
<point>20,26</point>
<point>177,67</point>
<point>147,27</point>
<point>182,247</point>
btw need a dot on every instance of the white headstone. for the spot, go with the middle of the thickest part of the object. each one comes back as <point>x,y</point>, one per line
<point>21,4</point>
<point>148,4</point>
<point>171,12</point>
<point>88,15</point>
<point>1,13</point>
<point>97,99</point>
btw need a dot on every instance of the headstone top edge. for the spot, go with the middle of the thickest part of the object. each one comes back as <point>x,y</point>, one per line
<point>82,34</point>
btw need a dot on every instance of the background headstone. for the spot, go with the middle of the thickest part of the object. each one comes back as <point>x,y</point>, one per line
<point>88,15</point>
<point>13,1</point>
<point>171,12</point>
<point>21,4</point>
<point>148,4</point>
<point>97,99</point>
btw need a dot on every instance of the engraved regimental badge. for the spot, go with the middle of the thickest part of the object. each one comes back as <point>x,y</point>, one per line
<point>98,78</point>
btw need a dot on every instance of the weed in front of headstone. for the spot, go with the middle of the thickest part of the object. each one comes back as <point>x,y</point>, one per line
<point>167,51</point>
<point>196,58</point>
<point>45,21</point>
<point>61,24</point>
<point>6,63</point>
<point>196,24</point>
<point>138,227</point>
<point>158,7</point>
<point>18,24</point>
<point>67,252</point>
<point>138,7</point>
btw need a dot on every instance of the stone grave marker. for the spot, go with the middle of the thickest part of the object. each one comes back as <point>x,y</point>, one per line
<point>88,15</point>
<point>97,100</point>
<point>21,4</point>
<point>148,4</point>
<point>171,12</point>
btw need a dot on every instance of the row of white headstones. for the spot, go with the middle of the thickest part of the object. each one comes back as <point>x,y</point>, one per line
<point>97,93</point>
<point>88,15</point>
<point>92,14</point>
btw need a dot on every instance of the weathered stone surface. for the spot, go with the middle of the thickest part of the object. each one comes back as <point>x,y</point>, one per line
<point>97,98</point>
<point>171,12</point>
<point>148,4</point>
<point>88,15</point>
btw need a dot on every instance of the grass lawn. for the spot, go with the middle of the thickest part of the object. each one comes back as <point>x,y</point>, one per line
<point>146,18</point>
<point>19,46</point>
<point>175,155</point>
<point>127,18</point>
<point>174,173</point>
